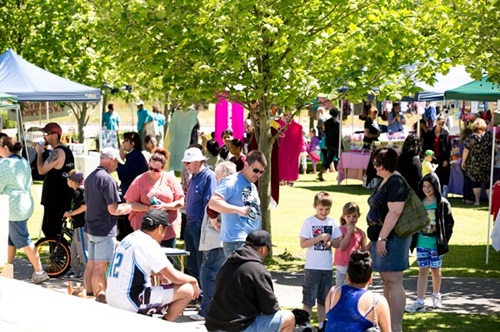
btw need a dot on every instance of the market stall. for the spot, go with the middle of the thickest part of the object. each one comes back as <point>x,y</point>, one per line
<point>479,90</point>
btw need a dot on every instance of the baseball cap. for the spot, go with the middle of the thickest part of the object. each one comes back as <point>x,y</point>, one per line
<point>193,154</point>
<point>111,153</point>
<point>73,175</point>
<point>259,238</point>
<point>156,217</point>
<point>429,153</point>
<point>140,102</point>
<point>51,128</point>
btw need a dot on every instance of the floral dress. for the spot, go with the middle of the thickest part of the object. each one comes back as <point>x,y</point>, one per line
<point>478,163</point>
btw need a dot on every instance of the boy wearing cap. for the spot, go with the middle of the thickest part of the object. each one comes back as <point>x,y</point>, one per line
<point>56,195</point>
<point>427,165</point>
<point>136,260</point>
<point>77,216</point>
<point>244,298</point>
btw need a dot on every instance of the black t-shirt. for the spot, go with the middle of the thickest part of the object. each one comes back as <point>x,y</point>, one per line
<point>55,191</point>
<point>393,190</point>
<point>373,128</point>
<point>78,200</point>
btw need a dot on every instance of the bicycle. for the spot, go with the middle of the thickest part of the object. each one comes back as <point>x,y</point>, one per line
<point>54,251</point>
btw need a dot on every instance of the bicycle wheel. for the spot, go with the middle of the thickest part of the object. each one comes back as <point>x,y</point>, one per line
<point>54,255</point>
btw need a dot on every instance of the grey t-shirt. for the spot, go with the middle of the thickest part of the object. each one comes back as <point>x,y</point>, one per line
<point>101,190</point>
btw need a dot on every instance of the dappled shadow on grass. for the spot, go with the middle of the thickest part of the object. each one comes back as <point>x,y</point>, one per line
<point>352,189</point>
<point>448,321</point>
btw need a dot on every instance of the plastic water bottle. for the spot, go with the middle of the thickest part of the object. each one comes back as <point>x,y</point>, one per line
<point>41,142</point>
<point>154,200</point>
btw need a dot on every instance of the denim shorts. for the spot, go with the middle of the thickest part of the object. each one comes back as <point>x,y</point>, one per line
<point>317,284</point>
<point>101,248</point>
<point>271,323</point>
<point>229,247</point>
<point>18,234</point>
<point>429,257</point>
<point>396,259</point>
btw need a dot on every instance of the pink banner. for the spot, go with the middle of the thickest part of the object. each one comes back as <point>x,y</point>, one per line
<point>229,117</point>
<point>221,119</point>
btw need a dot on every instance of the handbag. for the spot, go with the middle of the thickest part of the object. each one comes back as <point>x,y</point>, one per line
<point>375,327</point>
<point>414,216</point>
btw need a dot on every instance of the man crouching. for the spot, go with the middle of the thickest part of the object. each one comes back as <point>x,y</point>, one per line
<point>136,260</point>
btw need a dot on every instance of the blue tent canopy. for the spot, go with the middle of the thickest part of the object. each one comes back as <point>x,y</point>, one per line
<point>31,83</point>
<point>455,77</point>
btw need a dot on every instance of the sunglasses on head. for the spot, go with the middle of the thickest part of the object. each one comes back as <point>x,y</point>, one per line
<point>256,170</point>
<point>156,170</point>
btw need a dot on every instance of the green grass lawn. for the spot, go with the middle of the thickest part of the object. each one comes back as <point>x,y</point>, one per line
<point>465,259</point>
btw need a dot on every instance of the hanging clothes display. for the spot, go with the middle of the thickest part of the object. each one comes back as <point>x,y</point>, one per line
<point>178,136</point>
<point>290,144</point>
<point>229,116</point>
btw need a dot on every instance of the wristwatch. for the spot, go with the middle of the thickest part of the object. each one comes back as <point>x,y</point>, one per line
<point>382,239</point>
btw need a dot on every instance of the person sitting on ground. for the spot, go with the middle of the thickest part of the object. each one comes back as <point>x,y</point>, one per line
<point>136,261</point>
<point>352,307</point>
<point>244,298</point>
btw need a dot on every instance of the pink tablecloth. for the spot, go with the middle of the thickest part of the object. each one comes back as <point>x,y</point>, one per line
<point>352,165</point>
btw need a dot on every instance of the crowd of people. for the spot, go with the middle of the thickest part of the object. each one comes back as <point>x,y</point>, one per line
<point>217,208</point>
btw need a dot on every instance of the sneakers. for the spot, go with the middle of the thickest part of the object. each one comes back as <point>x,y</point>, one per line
<point>38,279</point>
<point>436,301</point>
<point>196,317</point>
<point>415,307</point>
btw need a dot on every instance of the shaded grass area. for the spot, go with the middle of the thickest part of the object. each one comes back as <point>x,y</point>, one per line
<point>446,321</point>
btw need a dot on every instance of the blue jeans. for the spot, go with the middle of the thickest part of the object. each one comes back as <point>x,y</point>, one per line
<point>210,266</point>
<point>229,247</point>
<point>192,235</point>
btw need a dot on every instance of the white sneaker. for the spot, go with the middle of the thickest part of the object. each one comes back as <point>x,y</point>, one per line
<point>197,317</point>
<point>415,307</point>
<point>38,279</point>
<point>436,301</point>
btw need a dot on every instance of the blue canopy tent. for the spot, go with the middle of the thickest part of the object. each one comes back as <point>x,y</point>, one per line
<point>31,83</point>
<point>456,76</point>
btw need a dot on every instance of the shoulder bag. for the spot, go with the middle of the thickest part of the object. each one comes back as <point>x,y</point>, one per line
<point>414,216</point>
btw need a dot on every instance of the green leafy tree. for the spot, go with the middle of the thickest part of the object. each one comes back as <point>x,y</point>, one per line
<point>477,36</point>
<point>280,52</point>
<point>59,36</point>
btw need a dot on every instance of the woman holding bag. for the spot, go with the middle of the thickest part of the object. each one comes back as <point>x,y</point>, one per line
<point>389,251</point>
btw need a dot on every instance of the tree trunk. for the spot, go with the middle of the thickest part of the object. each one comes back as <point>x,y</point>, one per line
<point>266,147</point>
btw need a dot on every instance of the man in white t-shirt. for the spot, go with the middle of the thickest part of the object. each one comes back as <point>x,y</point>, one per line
<point>136,260</point>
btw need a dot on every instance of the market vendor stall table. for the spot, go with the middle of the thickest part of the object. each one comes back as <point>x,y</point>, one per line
<point>352,165</point>
<point>456,182</point>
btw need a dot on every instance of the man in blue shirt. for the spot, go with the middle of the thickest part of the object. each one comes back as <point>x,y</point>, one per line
<point>111,119</point>
<point>200,191</point>
<point>430,115</point>
<point>237,199</point>
<point>143,117</point>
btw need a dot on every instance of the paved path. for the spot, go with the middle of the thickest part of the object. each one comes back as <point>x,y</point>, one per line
<point>460,295</point>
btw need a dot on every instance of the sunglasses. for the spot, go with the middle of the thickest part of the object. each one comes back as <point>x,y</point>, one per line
<point>47,134</point>
<point>376,164</point>
<point>256,170</point>
<point>156,170</point>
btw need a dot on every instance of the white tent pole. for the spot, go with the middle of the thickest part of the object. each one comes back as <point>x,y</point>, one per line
<point>491,187</point>
<point>47,110</point>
